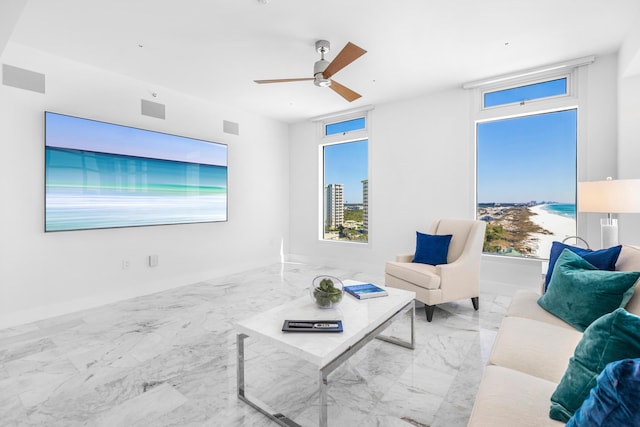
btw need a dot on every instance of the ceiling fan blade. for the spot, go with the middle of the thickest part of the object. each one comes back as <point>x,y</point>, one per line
<point>344,91</point>
<point>283,80</point>
<point>347,55</point>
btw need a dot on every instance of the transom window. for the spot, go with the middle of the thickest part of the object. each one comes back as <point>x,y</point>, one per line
<point>528,92</point>
<point>345,126</point>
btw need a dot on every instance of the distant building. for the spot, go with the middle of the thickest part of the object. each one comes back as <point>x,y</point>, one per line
<point>365,205</point>
<point>334,205</point>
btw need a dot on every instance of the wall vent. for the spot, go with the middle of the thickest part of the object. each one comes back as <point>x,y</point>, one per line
<point>230,127</point>
<point>152,109</point>
<point>22,79</point>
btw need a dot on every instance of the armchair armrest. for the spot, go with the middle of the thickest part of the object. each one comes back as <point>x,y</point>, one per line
<point>463,274</point>
<point>404,258</point>
<point>464,268</point>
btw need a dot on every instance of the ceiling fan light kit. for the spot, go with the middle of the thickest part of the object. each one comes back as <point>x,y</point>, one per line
<point>323,69</point>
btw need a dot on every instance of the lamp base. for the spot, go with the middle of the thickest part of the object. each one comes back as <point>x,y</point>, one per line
<point>608,232</point>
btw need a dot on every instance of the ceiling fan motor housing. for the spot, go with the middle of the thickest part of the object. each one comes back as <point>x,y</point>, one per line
<point>318,69</point>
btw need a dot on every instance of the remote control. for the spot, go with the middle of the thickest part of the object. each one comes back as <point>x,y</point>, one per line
<point>325,325</point>
<point>312,325</point>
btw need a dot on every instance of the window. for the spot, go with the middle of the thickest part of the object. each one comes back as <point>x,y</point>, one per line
<point>526,168</point>
<point>343,127</point>
<point>520,94</point>
<point>345,197</point>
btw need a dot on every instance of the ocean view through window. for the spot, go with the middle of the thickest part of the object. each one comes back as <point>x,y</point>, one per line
<point>526,182</point>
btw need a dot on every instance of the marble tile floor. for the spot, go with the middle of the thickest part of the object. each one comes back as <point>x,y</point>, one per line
<point>168,359</point>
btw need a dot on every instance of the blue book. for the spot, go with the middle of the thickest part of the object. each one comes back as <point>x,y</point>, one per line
<point>365,291</point>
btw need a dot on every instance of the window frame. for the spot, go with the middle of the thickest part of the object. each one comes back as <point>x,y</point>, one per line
<point>335,139</point>
<point>576,85</point>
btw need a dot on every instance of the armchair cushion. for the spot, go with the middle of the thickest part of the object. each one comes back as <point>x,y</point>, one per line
<point>431,249</point>
<point>418,274</point>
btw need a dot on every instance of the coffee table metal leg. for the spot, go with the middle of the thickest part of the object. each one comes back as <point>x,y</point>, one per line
<point>240,364</point>
<point>252,401</point>
<point>410,310</point>
<point>323,397</point>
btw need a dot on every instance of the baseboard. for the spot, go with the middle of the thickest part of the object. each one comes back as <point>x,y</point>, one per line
<point>22,317</point>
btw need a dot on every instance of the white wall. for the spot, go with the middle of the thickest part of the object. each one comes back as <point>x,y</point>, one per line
<point>43,274</point>
<point>423,167</point>
<point>10,11</point>
<point>629,125</point>
<point>413,147</point>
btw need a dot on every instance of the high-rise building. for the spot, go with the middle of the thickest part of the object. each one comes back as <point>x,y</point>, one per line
<point>334,205</point>
<point>365,205</point>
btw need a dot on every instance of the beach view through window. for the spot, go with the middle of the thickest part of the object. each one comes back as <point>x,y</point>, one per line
<point>526,182</point>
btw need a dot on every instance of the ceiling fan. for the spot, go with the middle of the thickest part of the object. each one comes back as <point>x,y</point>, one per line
<point>323,70</point>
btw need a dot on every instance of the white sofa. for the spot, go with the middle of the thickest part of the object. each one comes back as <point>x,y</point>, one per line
<point>529,357</point>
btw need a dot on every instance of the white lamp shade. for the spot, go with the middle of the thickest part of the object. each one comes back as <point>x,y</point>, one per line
<point>611,196</point>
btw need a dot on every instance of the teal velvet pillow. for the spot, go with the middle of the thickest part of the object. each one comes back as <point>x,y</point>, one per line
<point>432,249</point>
<point>615,400</point>
<point>612,337</point>
<point>579,293</point>
<point>603,259</point>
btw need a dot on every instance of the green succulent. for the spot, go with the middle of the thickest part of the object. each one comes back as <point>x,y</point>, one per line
<point>326,293</point>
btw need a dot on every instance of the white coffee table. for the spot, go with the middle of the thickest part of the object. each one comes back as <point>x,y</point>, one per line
<point>362,320</point>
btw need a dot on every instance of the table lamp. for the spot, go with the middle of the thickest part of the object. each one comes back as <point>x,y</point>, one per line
<point>609,196</point>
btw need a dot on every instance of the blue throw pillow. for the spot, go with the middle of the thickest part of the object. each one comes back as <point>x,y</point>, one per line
<point>431,249</point>
<point>602,259</point>
<point>615,400</point>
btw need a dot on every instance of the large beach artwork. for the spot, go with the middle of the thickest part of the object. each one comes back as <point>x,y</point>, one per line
<point>102,175</point>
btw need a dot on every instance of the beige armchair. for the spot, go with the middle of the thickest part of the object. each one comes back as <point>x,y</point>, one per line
<point>458,279</point>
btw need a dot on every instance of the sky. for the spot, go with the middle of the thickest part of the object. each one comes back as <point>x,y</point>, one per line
<point>528,158</point>
<point>84,134</point>
<point>347,164</point>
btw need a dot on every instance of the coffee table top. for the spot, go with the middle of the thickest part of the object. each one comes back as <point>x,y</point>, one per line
<point>359,317</point>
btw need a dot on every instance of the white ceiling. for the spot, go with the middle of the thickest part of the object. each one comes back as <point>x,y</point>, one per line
<point>214,49</point>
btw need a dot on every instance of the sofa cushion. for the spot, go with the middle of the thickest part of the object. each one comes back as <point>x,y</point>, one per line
<point>423,275</point>
<point>615,400</point>
<point>510,398</point>
<point>612,337</point>
<point>629,259</point>
<point>534,347</point>
<point>432,249</point>
<point>525,304</point>
<point>633,306</point>
<point>602,259</point>
<point>579,293</point>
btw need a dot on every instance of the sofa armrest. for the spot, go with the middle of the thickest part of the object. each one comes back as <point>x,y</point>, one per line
<point>404,258</point>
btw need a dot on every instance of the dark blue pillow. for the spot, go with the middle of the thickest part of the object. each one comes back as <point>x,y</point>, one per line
<point>602,259</point>
<point>615,400</point>
<point>431,249</point>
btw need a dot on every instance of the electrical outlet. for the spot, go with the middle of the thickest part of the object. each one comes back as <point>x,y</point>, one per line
<point>125,264</point>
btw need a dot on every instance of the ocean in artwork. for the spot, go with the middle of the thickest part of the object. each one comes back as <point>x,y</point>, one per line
<point>87,190</point>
